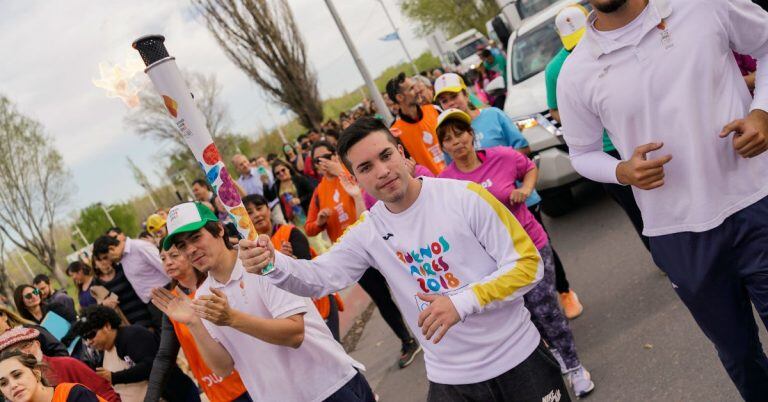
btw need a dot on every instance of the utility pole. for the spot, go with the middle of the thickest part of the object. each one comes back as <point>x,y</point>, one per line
<point>381,106</point>
<point>279,127</point>
<point>106,212</point>
<point>183,179</point>
<point>79,232</point>
<point>399,38</point>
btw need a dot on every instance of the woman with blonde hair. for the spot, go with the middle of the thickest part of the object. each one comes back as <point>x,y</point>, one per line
<point>50,345</point>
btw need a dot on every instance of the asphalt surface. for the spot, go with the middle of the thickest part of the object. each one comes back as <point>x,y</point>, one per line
<point>635,336</point>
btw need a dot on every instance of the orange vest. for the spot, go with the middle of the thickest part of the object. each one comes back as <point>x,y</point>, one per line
<point>420,139</point>
<point>216,388</point>
<point>61,392</point>
<point>323,305</point>
<point>330,194</point>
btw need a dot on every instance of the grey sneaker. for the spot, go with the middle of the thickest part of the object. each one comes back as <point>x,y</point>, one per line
<point>580,381</point>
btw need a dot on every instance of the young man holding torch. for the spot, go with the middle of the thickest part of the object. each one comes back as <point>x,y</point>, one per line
<point>458,263</point>
<point>241,321</point>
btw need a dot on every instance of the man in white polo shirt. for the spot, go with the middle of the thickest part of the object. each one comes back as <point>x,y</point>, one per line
<point>660,77</point>
<point>278,342</point>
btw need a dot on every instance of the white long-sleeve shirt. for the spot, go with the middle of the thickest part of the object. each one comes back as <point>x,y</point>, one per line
<point>455,240</point>
<point>670,76</point>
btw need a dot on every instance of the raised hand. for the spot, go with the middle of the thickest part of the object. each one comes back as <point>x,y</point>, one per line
<point>438,318</point>
<point>177,308</point>
<point>256,255</point>
<point>322,216</point>
<point>643,173</point>
<point>350,185</point>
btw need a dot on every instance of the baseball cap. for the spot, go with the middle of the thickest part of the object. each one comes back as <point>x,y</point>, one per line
<point>449,82</point>
<point>453,114</point>
<point>187,217</point>
<point>155,222</point>
<point>571,23</point>
<point>16,335</point>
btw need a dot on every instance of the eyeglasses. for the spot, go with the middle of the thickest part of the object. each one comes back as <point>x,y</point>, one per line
<point>324,156</point>
<point>90,334</point>
<point>281,171</point>
<point>32,293</point>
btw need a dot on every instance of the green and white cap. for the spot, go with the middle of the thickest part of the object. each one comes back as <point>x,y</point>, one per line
<point>187,217</point>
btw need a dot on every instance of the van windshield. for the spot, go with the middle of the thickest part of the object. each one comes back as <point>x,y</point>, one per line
<point>527,8</point>
<point>532,51</point>
<point>470,49</point>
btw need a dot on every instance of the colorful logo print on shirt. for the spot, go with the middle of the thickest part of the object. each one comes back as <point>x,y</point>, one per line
<point>429,268</point>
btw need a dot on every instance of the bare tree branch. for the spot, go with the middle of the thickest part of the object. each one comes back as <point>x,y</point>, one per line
<point>35,184</point>
<point>262,39</point>
<point>151,118</point>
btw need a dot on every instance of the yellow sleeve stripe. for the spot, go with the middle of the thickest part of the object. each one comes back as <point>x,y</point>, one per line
<point>526,267</point>
<point>359,220</point>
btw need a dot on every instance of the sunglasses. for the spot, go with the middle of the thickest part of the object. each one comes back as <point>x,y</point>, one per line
<point>281,171</point>
<point>90,334</point>
<point>325,156</point>
<point>32,293</point>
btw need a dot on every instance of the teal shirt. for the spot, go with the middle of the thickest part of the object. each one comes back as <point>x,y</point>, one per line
<point>499,64</point>
<point>551,73</point>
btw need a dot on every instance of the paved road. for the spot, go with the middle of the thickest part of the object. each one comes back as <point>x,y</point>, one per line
<point>635,336</point>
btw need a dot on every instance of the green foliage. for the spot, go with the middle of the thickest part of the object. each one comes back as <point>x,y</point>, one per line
<point>451,16</point>
<point>94,222</point>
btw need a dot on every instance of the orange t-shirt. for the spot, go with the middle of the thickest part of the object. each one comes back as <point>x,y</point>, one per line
<point>330,194</point>
<point>216,388</point>
<point>420,139</point>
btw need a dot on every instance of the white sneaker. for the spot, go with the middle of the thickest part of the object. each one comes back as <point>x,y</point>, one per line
<point>560,361</point>
<point>580,381</point>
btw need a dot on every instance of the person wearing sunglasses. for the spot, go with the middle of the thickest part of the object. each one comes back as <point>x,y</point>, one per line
<point>58,369</point>
<point>129,352</point>
<point>30,306</point>
<point>292,188</point>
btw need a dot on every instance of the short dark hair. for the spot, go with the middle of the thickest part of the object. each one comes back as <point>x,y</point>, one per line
<point>360,129</point>
<point>95,317</point>
<point>256,200</point>
<point>271,156</point>
<point>115,229</point>
<point>393,86</point>
<point>301,137</point>
<point>78,266</point>
<point>102,243</point>
<point>41,278</point>
<point>202,183</point>
<point>144,234</point>
<point>454,126</point>
<point>485,53</point>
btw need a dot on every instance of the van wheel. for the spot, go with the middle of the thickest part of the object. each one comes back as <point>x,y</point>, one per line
<point>558,202</point>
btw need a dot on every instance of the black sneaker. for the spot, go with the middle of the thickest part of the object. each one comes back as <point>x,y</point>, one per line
<point>408,352</point>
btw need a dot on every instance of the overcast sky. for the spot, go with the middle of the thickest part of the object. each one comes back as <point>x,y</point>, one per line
<point>52,51</point>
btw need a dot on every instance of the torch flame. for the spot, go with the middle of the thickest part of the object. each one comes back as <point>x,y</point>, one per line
<point>121,81</point>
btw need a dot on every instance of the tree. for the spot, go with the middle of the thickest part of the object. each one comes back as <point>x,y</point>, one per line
<point>151,118</point>
<point>262,39</point>
<point>451,16</point>
<point>6,283</point>
<point>94,222</point>
<point>35,184</point>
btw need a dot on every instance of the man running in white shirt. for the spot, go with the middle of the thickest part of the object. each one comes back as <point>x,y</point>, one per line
<point>458,263</point>
<point>660,76</point>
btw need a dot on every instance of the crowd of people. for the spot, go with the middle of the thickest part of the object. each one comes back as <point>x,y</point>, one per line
<point>437,218</point>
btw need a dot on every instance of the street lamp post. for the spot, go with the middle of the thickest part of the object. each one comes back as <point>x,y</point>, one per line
<point>79,232</point>
<point>381,106</point>
<point>399,38</point>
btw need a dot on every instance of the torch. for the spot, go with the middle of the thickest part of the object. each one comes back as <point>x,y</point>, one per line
<point>165,75</point>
